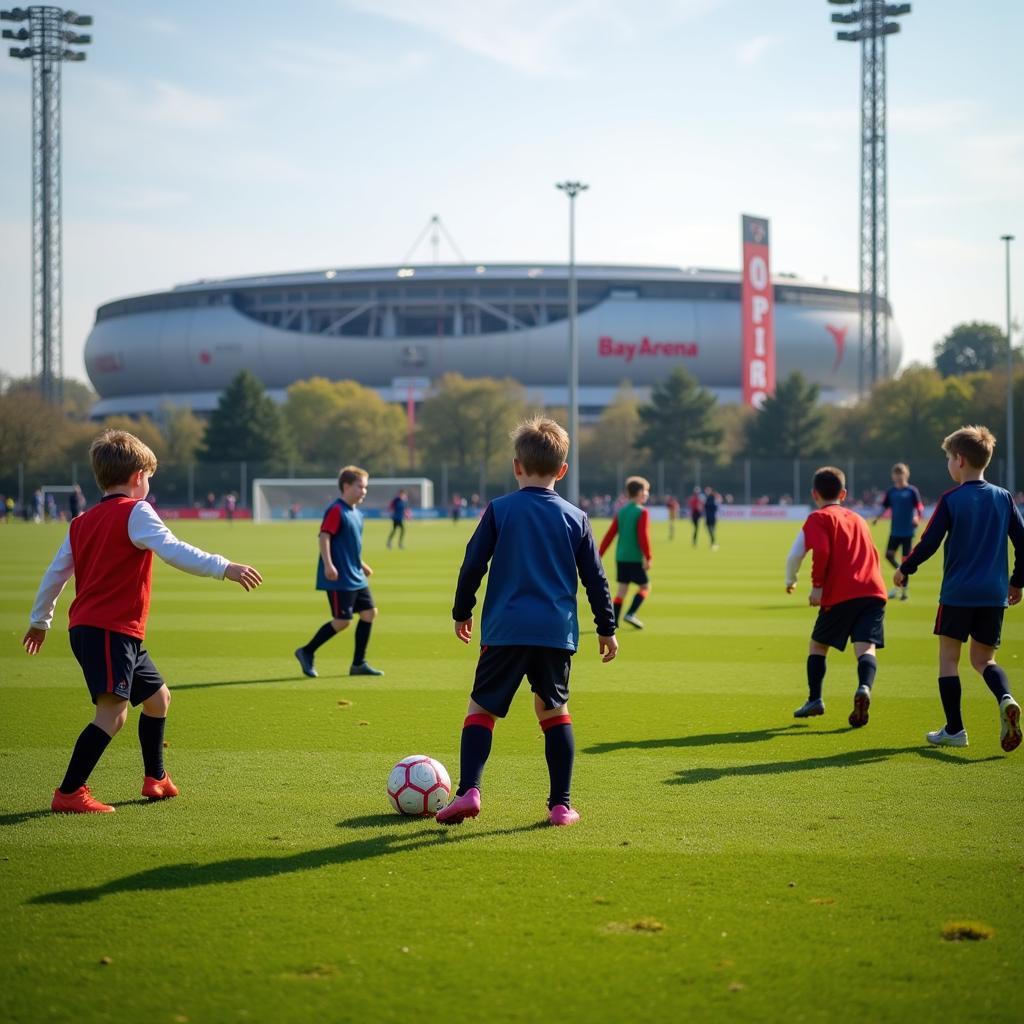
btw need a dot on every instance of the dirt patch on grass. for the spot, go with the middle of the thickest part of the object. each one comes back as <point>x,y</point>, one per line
<point>642,926</point>
<point>967,931</point>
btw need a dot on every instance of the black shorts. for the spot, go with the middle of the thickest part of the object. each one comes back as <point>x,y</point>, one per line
<point>115,663</point>
<point>345,603</point>
<point>904,543</point>
<point>861,620</point>
<point>631,572</point>
<point>982,624</point>
<point>500,670</point>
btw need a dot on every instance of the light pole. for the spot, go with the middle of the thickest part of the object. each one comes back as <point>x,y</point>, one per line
<point>1011,475</point>
<point>573,189</point>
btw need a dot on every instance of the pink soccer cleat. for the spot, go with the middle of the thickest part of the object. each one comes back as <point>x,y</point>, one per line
<point>562,815</point>
<point>462,807</point>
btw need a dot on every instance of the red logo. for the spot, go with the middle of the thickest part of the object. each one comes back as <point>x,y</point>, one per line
<point>839,337</point>
<point>205,358</point>
<point>110,363</point>
<point>608,347</point>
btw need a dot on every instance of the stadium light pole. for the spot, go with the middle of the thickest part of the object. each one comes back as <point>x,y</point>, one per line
<point>572,189</point>
<point>45,43</point>
<point>1011,474</point>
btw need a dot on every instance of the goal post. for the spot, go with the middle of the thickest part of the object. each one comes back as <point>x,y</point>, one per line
<point>282,498</point>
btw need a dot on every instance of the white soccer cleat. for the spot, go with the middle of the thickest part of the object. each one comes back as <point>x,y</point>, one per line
<point>1009,724</point>
<point>941,738</point>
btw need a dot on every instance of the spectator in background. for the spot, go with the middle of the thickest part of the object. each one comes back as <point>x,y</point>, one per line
<point>711,499</point>
<point>458,503</point>
<point>696,508</point>
<point>672,504</point>
<point>230,502</point>
<point>399,509</point>
<point>76,502</point>
<point>38,503</point>
<point>211,500</point>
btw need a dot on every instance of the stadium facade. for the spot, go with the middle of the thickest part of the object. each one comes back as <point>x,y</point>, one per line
<point>397,328</point>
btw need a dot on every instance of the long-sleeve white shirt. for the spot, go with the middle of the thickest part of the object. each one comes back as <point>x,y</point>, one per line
<point>146,530</point>
<point>794,558</point>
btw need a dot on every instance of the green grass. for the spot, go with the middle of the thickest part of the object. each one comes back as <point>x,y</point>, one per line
<point>731,863</point>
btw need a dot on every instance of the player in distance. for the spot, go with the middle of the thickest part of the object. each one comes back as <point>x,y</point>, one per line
<point>632,549</point>
<point>903,501</point>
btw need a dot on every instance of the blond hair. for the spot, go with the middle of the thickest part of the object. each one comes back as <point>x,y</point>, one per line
<point>902,468</point>
<point>350,474</point>
<point>541,446</point>
<point>635,484</point>
<point>975,444</point>
<point>116,455</point>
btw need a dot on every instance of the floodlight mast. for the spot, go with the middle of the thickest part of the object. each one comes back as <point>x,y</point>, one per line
<point>48,39</point>
<point>874,215</point>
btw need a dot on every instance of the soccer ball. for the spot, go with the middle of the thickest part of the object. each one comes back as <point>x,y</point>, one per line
<point>419,786</point>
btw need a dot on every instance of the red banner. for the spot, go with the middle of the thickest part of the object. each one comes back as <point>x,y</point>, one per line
<point>758,302</point>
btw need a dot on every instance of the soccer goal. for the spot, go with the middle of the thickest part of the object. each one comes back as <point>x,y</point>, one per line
<point>283,498</point>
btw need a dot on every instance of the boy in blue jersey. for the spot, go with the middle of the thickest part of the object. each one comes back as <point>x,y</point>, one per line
<point>905,506</point>
<point>342,572</point>
<point>976,584</point>
<point>537,544</point>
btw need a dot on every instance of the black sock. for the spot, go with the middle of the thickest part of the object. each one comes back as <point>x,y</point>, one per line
<point>815,675</point>
<point>638,599</point>
<point>617,606</point>
<point>890,557</point>
<point>867,666</point>
<point>89,747</point>
<point>559,750</point>
<point>477,733</point>
<point>151,740</point>
<point>996,680</point>
<point>949,693</point>
<point>362,639</point>
<point>323,634</point>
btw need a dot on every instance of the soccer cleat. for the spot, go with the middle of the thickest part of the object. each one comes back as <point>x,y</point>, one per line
<point>79,802</point>
<point>861,703</point>
<point>159,789</point>
<point>1009,724</point>
<point>811,709</point>
<point>632,620</point>
<point>461,808</point>
<point>306,662</point>
<point>364,668</point>
<point>904,594</point>
<point>941,738</point>
<point>562,815</point>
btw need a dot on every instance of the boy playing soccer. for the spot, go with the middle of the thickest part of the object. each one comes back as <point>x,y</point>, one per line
<point>905,506</point>
<point>398,508</point>
<point>847,587</point>
<point>537,544</point>
<point>109,550</point>
<point>633,549</point>
<point>342,572</point>
<point>976,585</point>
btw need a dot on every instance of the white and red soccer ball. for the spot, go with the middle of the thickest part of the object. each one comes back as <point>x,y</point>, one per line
<point>419,786</point>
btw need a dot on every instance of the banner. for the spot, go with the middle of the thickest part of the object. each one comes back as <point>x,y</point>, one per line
<point>758,305</point>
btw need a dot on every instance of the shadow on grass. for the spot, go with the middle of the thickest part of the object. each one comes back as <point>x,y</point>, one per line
<point>713,739</point>
<point>245,869</point>
<point>234,682</point>
<point>18,817</point>
<point>849,759</point>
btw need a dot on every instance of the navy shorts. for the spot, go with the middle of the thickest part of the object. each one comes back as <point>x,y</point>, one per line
<point>346,603</point>
<point>500,670</point>
<point>115,663</point>
<point>982,624</point>
<point>861,620</point>
<point>896,543</point>
<point>631,572</point>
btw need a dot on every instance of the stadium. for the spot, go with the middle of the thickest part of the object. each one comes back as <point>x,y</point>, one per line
<point>398,328</point>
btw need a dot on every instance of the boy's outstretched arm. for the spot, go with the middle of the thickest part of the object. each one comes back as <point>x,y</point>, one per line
<point>937,528</point>
<point>591,572</point>
<point>794,560</point>
<point>609,535</point>
<point>61,569</point>
<point>474,567</point>
<point>1016,532</point>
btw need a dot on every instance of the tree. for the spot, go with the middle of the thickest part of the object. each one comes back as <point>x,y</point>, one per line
<point>790,424</point>
<point>678,424</point>
<point>969,347</point>
<point>183,434</point>
<point>142,427</point>
<point>31,430</point>
<point>246,426</point>
<point>612,441</point>
<point>910,413</point>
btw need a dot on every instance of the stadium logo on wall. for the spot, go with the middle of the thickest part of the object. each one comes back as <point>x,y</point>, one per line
<point>205,358</point>
<point>839,337</point>
<point>608,347</point>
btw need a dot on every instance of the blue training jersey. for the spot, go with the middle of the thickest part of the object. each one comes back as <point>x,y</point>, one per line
<point>903,503</point>
<point>345,525</point>
<point>538,545</point>
<point>976,519</point>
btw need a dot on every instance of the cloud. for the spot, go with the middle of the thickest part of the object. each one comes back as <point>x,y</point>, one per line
<point>750,51</point>
<point>328,65</point>
<point>928,118</point>
<point>144,199</point>
<point>158,103</point>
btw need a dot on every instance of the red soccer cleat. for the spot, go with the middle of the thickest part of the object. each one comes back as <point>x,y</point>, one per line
<point>562,815</point>
<point>79,802</point>
<point>462,807</point>
<point>159,789</point>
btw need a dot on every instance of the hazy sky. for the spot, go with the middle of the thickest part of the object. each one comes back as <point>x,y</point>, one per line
<point>214,139</point>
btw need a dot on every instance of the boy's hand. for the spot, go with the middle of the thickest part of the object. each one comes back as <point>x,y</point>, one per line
<point>646,563</point>
<point>366,570</point>
<point>790,587</point>
<point>464,630</point>
<point>244,575</point>
<point>1013,597</point>
<point>34,638</point>
<point>814,597</point>
<point>330,572</point>
<point>607,647</point>
<point>899,579</point>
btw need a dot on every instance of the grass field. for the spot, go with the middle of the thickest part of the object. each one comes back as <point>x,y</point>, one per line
<point>731,863</point>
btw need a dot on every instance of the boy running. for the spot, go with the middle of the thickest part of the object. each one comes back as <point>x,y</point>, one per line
<point>847,587</point>
<point>342,572</point>
<point>976,584</point>
<point>536,544</point>
<point>109,550</point>
<point>397,507</point>
<point>695,503</point>
<point>632,550</point>
<point>905,506</point>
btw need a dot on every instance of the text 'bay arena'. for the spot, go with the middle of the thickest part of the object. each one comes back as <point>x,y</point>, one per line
<point>396,329</point>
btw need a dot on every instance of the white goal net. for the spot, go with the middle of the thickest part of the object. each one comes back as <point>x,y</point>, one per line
<point>283,498</point>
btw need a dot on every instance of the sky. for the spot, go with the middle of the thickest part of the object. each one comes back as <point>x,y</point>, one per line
<point>211,140</point>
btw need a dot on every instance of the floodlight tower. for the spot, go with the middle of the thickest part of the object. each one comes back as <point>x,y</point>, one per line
<point>45,42</point>
<point>874,216</point>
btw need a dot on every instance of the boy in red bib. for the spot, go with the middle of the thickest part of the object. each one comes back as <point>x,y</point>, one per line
<point>109,550</point>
